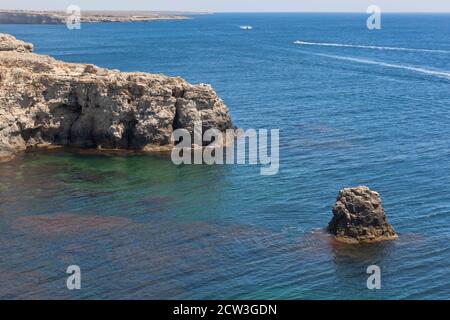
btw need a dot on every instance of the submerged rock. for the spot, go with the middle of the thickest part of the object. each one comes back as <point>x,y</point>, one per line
<point>46,102</point>
<point>358,216</point>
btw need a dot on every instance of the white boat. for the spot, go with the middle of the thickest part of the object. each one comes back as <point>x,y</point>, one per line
<point>246,27</point>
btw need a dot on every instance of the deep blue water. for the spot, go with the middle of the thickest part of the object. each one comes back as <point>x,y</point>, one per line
<point>140,227</point>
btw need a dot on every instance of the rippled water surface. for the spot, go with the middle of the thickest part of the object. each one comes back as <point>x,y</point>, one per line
<point>353,107</point>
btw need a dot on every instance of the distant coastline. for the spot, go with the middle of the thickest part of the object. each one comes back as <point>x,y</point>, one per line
<point>59,17</point>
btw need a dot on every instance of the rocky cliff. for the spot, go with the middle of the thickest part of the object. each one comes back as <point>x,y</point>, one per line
<point>358,216</point>
<point>45,102</point>
<point>59,17</point>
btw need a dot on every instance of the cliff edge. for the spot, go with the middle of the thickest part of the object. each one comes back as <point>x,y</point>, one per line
<point>60,17</point>
<point>45,102</point>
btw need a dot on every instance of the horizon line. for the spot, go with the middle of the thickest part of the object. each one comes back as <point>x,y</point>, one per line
<point>227,11</point>
<point>319,11</point>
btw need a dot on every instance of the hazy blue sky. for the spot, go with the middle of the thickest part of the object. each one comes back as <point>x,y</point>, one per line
<point>235,5</point>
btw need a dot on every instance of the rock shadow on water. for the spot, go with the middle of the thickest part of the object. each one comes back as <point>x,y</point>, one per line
<point>320,240</point>
<point>349,261</point>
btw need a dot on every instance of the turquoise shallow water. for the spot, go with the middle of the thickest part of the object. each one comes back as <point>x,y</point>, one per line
<point>140,227</point>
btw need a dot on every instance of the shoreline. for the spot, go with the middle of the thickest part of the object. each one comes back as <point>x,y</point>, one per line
<point>60,17</point>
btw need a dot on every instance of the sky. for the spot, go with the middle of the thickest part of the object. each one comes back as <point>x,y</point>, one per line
<point>235,5</point>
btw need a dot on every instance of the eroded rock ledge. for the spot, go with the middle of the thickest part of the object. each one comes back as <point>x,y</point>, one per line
<point>60,17</point>
<point>45,102</point>
<point>358,217</point>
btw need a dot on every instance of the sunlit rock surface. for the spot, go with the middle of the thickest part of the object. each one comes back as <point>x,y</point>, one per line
<point>45,102</point>
<point>358,216</point>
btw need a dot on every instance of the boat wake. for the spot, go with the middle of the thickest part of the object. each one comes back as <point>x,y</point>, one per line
<point>437,73</point>
<point>325,44</point>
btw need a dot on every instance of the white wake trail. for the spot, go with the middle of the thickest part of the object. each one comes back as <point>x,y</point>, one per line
<point>325,44</point>
<point>437,73</point>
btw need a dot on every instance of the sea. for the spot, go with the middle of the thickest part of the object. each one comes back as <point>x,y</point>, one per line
<point>353,106</point>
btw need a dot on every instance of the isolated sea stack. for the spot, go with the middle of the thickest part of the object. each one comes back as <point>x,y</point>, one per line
<point>358,217</point>
<point>45,102</point>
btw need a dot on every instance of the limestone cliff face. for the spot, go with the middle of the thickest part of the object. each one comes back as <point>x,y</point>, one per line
<point>29,18</point>
<point>60,17</point>
<point>48,102</point>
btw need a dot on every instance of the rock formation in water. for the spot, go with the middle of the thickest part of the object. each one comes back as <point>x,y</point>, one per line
<point>45,102</point>
<point>358,217</point>
<point>9,43</point>
<point>59,17</point>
